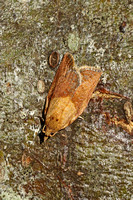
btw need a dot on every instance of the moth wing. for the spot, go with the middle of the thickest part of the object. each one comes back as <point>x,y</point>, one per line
<point>66,85</point>
<point>90,79</point>
<point>71,96</point>
<point>66,64</point>
<point>61,109</point>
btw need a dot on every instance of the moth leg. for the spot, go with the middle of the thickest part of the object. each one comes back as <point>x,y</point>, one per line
<point>52,134</point>
<point>47,137</point>
<point>81,117</point>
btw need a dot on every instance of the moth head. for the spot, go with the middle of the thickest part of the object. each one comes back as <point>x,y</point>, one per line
<point>42,133</point>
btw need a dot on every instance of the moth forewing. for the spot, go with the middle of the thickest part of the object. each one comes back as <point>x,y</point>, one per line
<point>66,63</point>
<point>69,95</point>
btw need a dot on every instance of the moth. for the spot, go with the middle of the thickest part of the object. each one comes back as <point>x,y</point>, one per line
<point>68,96</point>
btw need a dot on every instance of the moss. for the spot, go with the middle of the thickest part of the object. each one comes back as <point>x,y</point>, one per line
<point>73,41</point>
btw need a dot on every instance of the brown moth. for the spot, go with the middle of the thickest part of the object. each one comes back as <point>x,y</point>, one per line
<point>68,96</point>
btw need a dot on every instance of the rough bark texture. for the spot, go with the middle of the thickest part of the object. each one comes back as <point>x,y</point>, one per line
<point>90,159</point>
